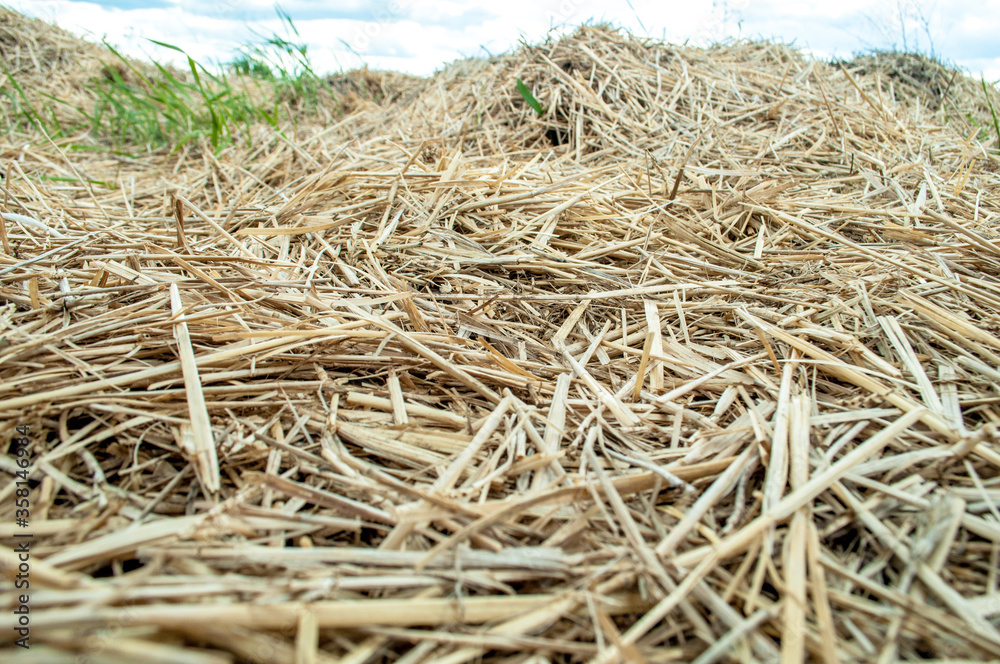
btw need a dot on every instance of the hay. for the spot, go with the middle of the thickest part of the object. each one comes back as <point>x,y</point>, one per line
<point>700,365</point>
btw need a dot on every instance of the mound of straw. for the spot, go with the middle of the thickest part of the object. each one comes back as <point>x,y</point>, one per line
<point>928,85</point>
<point>702,364</point>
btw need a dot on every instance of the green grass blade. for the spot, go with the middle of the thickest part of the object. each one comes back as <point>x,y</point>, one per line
<point>128,64</point>
<point>29,110</point>
<point>170,46</point>
<point>216,122</point>
<point>530,98</point>
<point>989,102</point>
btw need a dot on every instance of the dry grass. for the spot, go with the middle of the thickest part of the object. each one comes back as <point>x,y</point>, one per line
<point>701,365</point>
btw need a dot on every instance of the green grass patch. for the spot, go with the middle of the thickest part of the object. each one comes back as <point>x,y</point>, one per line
<point>282,62</point>
<point>166,108</point>
<point>27,115</point>
<point>136,108</point>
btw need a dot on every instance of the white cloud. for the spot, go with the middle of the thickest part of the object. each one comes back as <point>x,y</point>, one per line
<point>205,39</point>
<point>421,37</point>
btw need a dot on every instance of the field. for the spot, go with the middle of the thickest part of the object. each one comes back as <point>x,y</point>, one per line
<point>601,350</point>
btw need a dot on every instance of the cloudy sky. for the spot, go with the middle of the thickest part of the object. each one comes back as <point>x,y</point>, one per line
<point>421,36</point>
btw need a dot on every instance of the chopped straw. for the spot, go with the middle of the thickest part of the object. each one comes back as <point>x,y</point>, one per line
<point>700,364</point>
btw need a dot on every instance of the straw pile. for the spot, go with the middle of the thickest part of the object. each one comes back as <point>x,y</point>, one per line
<point>703,364</point>
<point>929,86</point>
